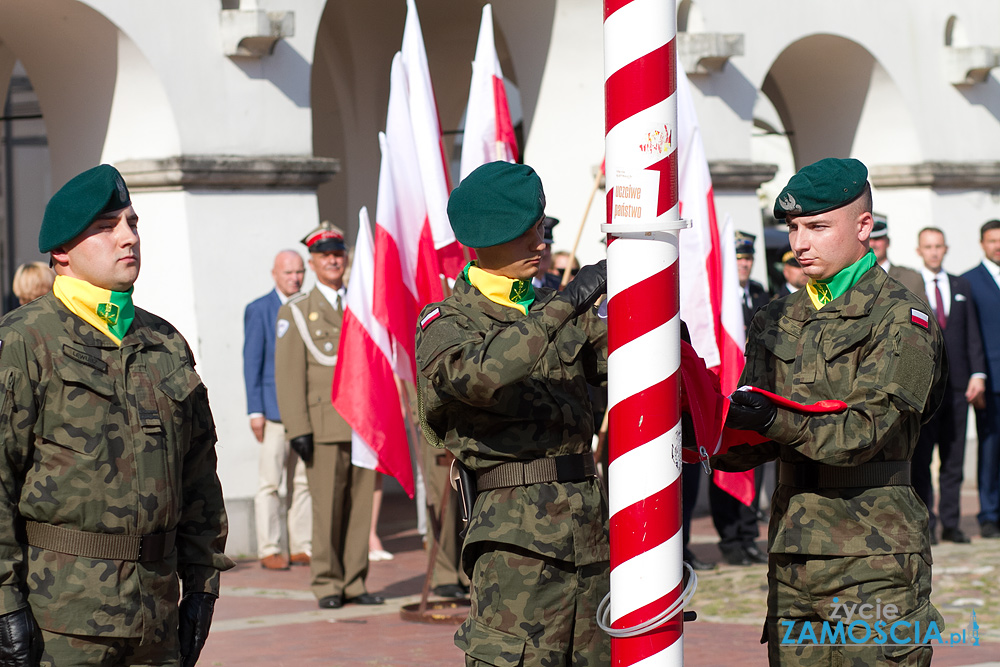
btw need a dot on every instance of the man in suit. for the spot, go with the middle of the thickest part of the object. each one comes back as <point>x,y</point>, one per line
<point>308,332</point>
<point>795,277</point>
<point>735,522</point>
<point>984,280</point>
<point>276,457</point>
<point>879,243</point>
<point>950,298</point>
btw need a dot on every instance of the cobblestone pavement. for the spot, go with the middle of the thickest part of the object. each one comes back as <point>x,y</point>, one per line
<point>271,618</point>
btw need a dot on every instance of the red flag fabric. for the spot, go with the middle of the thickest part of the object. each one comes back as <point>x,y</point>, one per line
<point>489,132</point>
<point>430,149</point>
<point>364,390</point>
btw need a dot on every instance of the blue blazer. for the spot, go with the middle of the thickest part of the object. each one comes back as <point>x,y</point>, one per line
<point>259,321</point>
<point>986,294</point>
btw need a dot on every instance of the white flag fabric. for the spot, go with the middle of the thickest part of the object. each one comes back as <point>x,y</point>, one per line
<point>489,132</point>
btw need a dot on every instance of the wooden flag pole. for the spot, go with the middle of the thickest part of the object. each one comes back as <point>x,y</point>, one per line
<point>567,272</point>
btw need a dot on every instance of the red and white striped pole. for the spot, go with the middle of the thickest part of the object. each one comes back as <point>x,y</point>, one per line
<point>646,614</point>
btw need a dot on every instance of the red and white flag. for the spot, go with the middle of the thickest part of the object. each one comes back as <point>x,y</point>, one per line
<point>430,149</point>
<point>364,390</point>
<point>489,132</point>
<point>708,280</point>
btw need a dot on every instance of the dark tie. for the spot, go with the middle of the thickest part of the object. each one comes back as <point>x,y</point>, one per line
<point>939,306</point>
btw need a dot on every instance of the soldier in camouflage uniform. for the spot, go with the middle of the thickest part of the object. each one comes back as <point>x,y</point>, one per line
<point>110,506</point>
<point>846,526</point>
<point>503,374</point>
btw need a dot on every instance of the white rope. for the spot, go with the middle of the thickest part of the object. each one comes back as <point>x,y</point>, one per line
<point>604,611</point>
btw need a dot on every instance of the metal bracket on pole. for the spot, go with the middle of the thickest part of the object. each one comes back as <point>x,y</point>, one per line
<point>620,228</point>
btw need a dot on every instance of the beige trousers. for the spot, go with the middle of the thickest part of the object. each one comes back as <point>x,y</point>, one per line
<point>279,463</point>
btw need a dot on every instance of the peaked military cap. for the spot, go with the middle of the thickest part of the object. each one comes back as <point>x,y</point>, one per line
<point>495,204</point>
<point>98,190</point>
<point>325,238</point>
<point>881,227</point>
<point>744,244</point>
<point>549,223</point>
<point>822,186</point>
<point>789,258</point>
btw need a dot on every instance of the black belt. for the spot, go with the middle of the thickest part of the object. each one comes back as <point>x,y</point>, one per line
<point>569,468</point>
<point>105,546</point>
<point>821,476</point>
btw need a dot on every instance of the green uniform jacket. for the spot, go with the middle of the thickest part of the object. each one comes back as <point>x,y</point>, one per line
<point>498,386</point>
<point>104,439</point>
<point>303,378</point>
<point>866,349</point>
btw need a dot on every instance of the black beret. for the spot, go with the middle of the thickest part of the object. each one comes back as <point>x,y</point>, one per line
<point>822,186</point>
<point>78,203</point>
<point>495,204</point>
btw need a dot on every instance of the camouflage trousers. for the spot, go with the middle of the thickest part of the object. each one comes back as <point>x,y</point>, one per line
<point>850,611</point>
<point>531,610</point>
<point>73,651</point>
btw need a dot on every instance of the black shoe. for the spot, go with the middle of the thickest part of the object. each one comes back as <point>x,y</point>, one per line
<point>331,602</point>
<point>451,591</point>
<point>989,530</point>
<point>695,563</point>
<point>736,556</point>
<point>954,535</point>
<point>754,554</point>
<point>367,598</point>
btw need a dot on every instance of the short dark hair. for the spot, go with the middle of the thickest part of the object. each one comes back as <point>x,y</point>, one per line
<point>930,229</point>
<point>989,225</point>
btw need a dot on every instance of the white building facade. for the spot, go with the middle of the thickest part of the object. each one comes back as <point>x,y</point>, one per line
<point>240,124</point>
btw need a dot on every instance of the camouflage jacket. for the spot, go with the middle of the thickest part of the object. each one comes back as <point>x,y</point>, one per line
<point>869,349</point>
<point>498,386</point>
<point>104,439</point>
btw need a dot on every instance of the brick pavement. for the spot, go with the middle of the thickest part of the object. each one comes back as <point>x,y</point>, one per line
<point>271,618</point>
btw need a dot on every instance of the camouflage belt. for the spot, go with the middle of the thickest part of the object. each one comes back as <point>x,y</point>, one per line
<point>569,468</point>
<point>105,546</point>
<point>820,476</point>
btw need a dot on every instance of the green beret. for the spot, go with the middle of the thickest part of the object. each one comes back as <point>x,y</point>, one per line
<point>79,202</point>
<point>495,204</point>
<point>822,186</point>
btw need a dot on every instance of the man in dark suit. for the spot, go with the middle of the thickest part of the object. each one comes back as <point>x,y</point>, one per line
<point>276,458</point>
<point>950,298</point>
<point>985,282</point>
<point>735,522</point>
<point>879,243</point>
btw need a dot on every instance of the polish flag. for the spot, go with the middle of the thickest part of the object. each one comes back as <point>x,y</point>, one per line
<point>489,132</point>
<point>364,390</point>
<point>706,281</point>
<point>430,150</point>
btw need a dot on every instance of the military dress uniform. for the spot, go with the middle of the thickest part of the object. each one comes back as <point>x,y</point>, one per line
<point>504,387</point>
<point>845,523</point>
<point>308,333</point>
<point>109,482</point>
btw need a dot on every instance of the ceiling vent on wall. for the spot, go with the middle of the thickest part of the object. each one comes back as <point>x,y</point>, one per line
<point>252,33</point>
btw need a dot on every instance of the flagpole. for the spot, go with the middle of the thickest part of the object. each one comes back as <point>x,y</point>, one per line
<point>644,611</point>
<point>567,272</point>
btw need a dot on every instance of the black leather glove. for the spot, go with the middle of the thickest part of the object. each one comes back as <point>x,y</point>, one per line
<point>303,446</point>
<point>195,618</point>
<point>750,411</point>
<point>20,639</point>
<point>590,283</point>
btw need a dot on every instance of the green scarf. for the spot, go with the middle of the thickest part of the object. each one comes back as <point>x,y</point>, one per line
<point>822,292</point>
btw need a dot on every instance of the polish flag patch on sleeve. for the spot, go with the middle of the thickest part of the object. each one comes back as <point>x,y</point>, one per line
<point>920,318</point>
<point>429,317</point>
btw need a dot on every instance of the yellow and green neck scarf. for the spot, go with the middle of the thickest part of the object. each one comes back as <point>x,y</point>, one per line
<point>822,292</point>
<point>508,292</point>
<point>109,312</point>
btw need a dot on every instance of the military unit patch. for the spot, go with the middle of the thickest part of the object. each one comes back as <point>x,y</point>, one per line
<point>430,317</point>
<point>282,327</point>
<point>917,317</point>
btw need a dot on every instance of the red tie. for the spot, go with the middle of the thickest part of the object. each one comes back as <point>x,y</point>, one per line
<point>939,306</point>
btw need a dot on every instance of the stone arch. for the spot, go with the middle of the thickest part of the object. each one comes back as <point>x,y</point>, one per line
<point>835,99</point>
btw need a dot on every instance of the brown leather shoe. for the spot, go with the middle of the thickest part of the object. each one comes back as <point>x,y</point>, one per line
<point>300,559</point>
<point>274,562</point>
